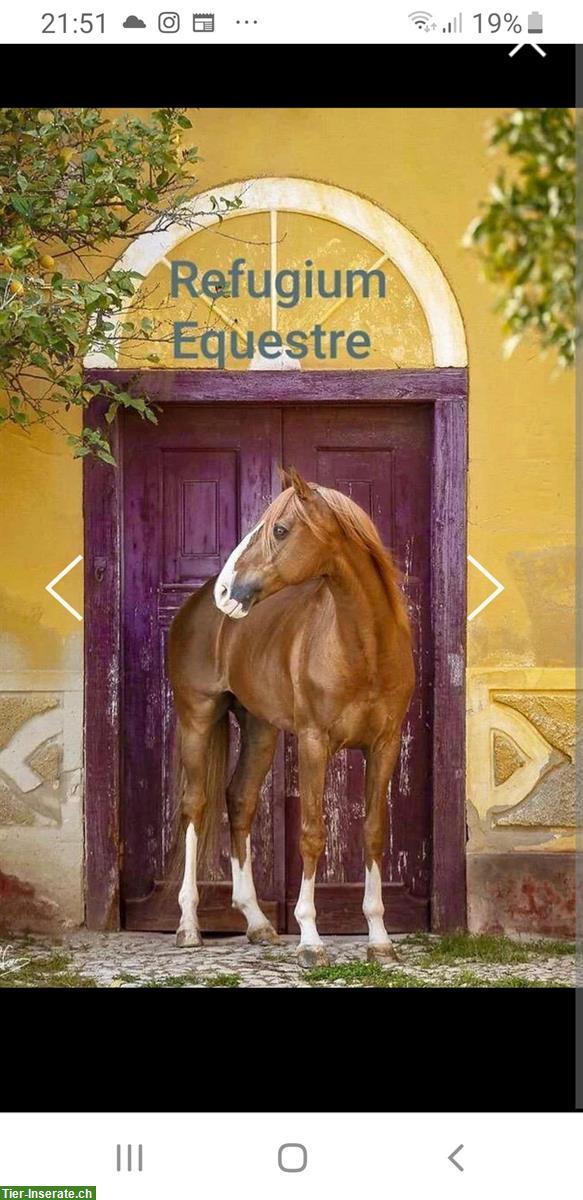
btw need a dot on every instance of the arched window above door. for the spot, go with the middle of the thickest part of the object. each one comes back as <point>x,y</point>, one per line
<point>283,224</point>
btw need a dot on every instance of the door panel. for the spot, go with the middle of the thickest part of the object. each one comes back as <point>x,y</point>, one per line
<point>193,486</point>
<point>381,458</point>
<point>200,512</point>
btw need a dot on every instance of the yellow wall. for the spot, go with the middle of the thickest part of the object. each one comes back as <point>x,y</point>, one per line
<point>430,169</point>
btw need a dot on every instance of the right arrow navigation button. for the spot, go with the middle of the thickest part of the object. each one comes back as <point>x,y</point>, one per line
<point>452,1157</point>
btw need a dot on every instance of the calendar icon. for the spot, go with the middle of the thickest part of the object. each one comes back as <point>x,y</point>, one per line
<point>203,22</point>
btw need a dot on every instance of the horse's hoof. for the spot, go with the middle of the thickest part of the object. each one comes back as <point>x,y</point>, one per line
<point>188,939</point>
<point>312,956</point>
<point>264,935</point>
<point>382,952</point>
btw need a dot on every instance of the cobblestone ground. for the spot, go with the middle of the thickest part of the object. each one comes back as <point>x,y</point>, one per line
<point>130,960</point>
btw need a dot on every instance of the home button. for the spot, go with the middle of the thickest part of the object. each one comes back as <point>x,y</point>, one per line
<point>292,1156</point>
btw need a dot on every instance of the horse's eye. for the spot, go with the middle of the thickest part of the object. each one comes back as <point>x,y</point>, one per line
<point>280,531</point>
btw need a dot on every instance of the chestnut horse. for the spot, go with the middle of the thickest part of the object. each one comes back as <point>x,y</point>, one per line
<point>305,629</point>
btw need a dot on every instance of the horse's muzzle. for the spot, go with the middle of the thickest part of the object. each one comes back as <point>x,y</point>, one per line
<point>244,593</point>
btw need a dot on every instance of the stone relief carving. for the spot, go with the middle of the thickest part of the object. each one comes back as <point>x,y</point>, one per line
<point>521,760</point>
<point>33,783</point>
<point>551,799</point>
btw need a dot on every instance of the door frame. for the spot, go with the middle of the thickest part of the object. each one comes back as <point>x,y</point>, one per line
<point>445,389</point>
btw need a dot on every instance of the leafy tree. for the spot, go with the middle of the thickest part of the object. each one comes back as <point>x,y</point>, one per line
<point>74,186</point>
<point>526,233</point>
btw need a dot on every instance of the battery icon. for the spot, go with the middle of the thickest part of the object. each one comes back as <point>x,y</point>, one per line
<point>535,22</point>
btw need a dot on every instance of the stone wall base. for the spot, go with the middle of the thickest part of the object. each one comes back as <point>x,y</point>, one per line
<point>522,893</point>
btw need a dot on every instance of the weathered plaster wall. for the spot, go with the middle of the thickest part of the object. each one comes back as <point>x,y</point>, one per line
<point>430,169</point>
<point>41,684</point>
<point>41,820</point>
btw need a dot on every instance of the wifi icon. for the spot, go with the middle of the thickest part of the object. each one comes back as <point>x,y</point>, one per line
<point>420,19</point>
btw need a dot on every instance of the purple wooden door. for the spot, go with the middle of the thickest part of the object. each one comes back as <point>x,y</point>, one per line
<point>381,457</point>
<point>193,485</point>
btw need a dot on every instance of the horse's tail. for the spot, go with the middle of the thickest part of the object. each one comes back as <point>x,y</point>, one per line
<point>215,787</point>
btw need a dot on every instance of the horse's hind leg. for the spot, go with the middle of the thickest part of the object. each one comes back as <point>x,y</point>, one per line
<point>380,764</point>
<point>258,740</point>
<point>313,760</point>
<point>188,932</point>
<point>199,738</point>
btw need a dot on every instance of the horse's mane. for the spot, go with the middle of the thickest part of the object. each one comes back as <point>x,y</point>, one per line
<point>356,526</point>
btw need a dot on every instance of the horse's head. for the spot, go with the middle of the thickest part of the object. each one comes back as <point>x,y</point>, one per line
<point>293,542</point>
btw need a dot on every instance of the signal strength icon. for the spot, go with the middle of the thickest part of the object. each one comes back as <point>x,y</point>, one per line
<point>453,26</point>
<point>421,19</point>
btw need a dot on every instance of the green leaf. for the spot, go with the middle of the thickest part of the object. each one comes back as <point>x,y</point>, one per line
<point>525,234</point>
<point>21,205</point>
<point>62,313</point>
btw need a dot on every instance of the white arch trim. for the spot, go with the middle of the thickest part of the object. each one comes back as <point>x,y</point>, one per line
<point>412,258</point>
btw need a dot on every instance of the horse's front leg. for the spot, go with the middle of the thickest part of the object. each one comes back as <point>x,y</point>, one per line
<point>380,764</point>
<point>313,759</point>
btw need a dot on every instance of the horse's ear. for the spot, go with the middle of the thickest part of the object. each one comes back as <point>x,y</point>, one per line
<point>292,479</point>
<point>286,479</point>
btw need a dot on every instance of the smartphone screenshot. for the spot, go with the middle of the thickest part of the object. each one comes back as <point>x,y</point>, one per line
<point>288,621</point>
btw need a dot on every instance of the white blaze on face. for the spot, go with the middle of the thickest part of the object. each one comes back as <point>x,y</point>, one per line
<point>224,582</point>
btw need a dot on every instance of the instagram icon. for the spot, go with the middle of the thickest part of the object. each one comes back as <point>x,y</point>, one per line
<point>168,22</point>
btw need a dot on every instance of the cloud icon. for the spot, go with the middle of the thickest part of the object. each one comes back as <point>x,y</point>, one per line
<point>134,23</point>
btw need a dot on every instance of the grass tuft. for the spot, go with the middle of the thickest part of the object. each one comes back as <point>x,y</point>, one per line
<point>374,975</point>
<point>486,948</point>
<point>52,971</point>
<point>223,980</point>
<point>365,975</point>
<point>172,981</point>
<point>470,979</point>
